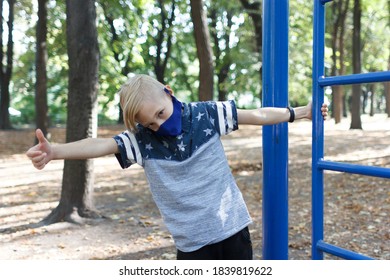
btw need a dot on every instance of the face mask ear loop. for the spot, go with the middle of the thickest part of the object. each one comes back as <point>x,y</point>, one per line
<point>168,92</point>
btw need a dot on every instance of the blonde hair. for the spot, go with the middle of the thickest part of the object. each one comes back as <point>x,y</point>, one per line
<point>133,93</point>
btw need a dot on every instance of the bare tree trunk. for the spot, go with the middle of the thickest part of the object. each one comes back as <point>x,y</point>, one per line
<point>254,11</point>
<point>223,59</point>
<point>42,120</point>
<point>162,57</point>
<point>356,122</point>
<point>83,51</point>
<point>339,11</point>
<point>204,50</point>
<point>387,97</point>
<point>6,70</point>
<point>335,24</point>
<point>372,98</point>
<point>340,90</point>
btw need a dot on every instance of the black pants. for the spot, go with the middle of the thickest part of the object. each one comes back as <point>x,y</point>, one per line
<point>236,247</point>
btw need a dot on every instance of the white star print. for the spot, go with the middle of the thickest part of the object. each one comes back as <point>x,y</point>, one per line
<point>148,146</point>
<point>165,144</point>
<point>207,131</point>
<point>212,121</point>
<point>199,116</point>
<point>182,146</point>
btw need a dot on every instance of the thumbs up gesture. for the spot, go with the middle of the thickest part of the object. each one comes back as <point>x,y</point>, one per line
<point>41,153</point>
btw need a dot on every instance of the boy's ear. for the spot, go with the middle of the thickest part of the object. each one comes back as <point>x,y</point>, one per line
<point>169,89</point>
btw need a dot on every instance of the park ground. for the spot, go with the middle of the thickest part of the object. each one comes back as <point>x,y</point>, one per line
<point>357,208</point>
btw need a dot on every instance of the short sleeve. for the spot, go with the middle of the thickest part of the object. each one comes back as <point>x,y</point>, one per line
<point>225,114</point>
<point>129,152</point>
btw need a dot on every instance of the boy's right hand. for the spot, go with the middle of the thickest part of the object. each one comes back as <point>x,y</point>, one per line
<point>41,153</point>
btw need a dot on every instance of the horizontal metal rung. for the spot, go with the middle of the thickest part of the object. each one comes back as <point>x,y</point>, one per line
<point>340,252</point>
<point>373,77</point>
<point>375,171</point>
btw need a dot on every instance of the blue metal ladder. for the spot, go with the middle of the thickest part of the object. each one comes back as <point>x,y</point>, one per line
<point>319,247</point>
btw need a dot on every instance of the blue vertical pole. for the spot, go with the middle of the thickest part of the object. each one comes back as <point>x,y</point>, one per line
<point>318,128</point>
<point>275,137</point>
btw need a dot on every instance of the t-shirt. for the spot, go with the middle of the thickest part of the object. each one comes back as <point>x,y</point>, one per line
<point>189,176</point>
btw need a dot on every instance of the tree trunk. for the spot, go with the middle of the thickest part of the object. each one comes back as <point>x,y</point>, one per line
<point>372,99</point>
<point>340,91</point>
<point>387,97</point>
<point>254,11</point>
<point>164,50</point>
<point>337,103</point>
<point>6,70</point>
<point>222,56</point>
<point>83,52</point>
<point>204,51</point>
<point>333,72</point>
<point>339,11</point>
<point>356,122</point>
<point>42,120</point>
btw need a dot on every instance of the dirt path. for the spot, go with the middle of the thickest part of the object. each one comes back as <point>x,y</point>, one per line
<point>357,207</point>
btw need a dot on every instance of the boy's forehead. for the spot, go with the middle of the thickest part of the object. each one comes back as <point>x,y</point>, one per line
<point>152,99</point>
<point>153,93</point>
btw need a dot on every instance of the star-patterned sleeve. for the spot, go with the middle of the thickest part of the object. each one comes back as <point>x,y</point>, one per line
<point>225,114</point>
<point>129,152</point>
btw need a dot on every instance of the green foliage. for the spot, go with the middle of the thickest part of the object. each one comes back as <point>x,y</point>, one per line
<point>129,34</point>
<point>300,52</point>
<point>235,53</point>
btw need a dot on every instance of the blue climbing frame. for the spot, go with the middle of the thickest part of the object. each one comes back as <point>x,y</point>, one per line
<point>318,163</point>
<point>275,137</point>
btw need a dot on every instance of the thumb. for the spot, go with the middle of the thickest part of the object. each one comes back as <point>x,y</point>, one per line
<point>41,138</point>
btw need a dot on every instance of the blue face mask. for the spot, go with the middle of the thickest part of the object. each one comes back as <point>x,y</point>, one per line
<point>172,126</point>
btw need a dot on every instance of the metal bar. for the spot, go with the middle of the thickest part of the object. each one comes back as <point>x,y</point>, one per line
<point>340,252</point>
<point>355,79</point>
<point>318,164</point>
<point>318,129</point>
<point>375,171</point>
<point>275,137</point>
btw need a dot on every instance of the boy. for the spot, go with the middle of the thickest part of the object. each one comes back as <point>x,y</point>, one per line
<point>179,147</point>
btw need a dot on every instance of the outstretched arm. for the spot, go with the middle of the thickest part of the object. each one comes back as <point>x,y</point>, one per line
<point>44,152</point>
<point>273,115</point>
